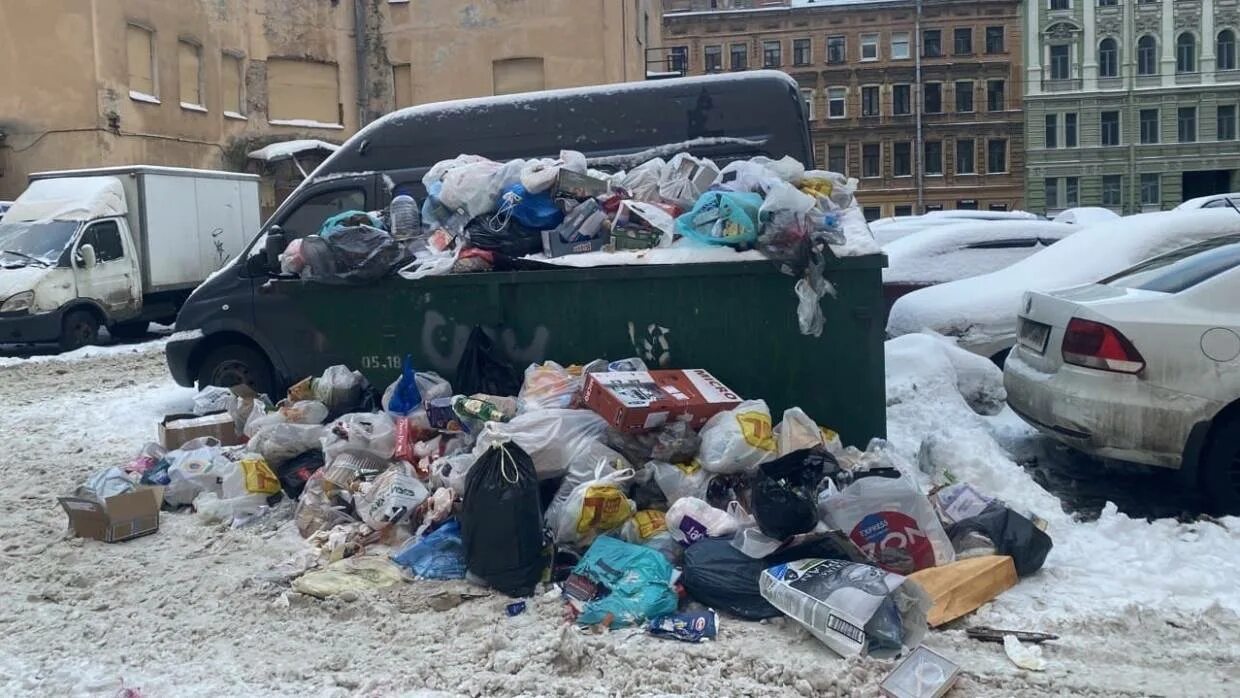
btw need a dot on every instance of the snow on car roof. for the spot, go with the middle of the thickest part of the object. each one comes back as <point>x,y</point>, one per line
<point>887,230</point>
<point>1085,215</point>
<point>1086,257</point>
<point>941,253</point>
<point>69,199</point>
<point>1201,201</point>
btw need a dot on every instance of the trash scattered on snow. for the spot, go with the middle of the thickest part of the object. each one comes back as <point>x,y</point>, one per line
<point>1026,657</point>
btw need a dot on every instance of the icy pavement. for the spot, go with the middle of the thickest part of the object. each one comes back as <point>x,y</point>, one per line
<point>1141,608</point>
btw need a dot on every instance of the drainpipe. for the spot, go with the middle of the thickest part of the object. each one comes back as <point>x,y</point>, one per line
<point>918,146</point>
<point>360,51</point>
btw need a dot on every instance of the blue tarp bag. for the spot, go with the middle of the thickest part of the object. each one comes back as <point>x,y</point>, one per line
<point>439,555</point>
<point>535,211</point>
<point>405,396</point>
<point>640,580</point>
<point>722,218</point>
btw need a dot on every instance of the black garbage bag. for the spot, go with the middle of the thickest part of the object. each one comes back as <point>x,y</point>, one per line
<point>512,239</point>
<point>501,521</point>
<point>482,370</point>
<point>296,472</point>
<point>722,577</point>
<point>783,493</point>
<point>354,255</point>
<point>1011,533</point>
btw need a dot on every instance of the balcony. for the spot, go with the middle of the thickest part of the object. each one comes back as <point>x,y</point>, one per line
<point>1068,85</point>
<point>1110,83</point>
<point>1188,78</point>
<point>1148,81</point>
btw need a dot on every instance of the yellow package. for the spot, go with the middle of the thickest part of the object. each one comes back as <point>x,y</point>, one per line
<point>258,476</point>
<point>815,186</point>
<point>649,522</point>
<point>603,508</point>
<point>757,429</point>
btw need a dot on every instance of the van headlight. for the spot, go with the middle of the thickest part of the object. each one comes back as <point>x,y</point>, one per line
<point>18,303</point>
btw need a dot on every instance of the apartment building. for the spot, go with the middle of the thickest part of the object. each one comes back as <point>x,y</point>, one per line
<point>925,110</point>
<point>1131,105</point>
<point>201,83</point>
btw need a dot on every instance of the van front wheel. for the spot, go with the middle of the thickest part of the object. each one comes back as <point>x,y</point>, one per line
<point>80,328</point>
<point>235,364</point>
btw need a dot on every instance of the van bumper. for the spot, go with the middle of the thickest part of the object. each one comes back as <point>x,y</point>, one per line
<point>25,327</point>
<point>178,352</point>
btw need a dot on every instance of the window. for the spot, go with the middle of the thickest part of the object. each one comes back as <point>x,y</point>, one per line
<point>995,100</point>
<point>303,90</point>
<point>1151,191</point>
<point>772,54</point>
<point>933,207</point>
<point>964,96</point>
<point>901,100</point>
<point>1225,50</point>
<point>309,217</point>
<point>189,63</point>
<point>679,59</point>
<point>232,87</point>
<point>1072,191</point>
<point>902,159</point>
<point>1059,62</point>
<point>869,47</point>
<point>807,99</point>
<point>994,40</point>
<point>1186,122</point>
<point>712,59</point>
<point>933,98</point>
<point>932,161</point>
<point>105,237</point>
<point>871,213</point>
<point>963,41</point>
<point>966,161</point>
<point>837,50</point>
<point>997,207</point>
<point>739,56</point>
<point>1052,193</point>
<point>1107,3</point>
<point>1052,130</point>
<point>140,43</point>
<point>402,83</point>
<point>996,155</point>
<point>1059,4</point>
<point>1108,58</point>
<point>1148,118</point>
<point>801,52</point>
<point>932,43</point>
<point>514,75</point>
<point>899,45</point>
<point>1147,56</point>
<point>1069,130</point>
<point>1181,269</point>
<point>966,205</point>
<point>869,100</point>
<point>871,154</point>
<point>835,103</point>
<point>1226,122</point>
<point>1113,190</point>
<point>1186,53</point>
<point>1108,131</point>
<point>837,158</point>
<point>902,211</point>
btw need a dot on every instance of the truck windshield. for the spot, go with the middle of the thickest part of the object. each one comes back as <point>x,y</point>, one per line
<point>25,241</point>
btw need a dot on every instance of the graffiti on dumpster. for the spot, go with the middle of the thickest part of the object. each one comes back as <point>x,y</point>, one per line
<point>443,342</point>
<point>653,347</point>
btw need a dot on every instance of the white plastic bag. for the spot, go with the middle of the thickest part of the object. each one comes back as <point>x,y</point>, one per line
<point>745,176</point>
<point>547,386</point>
<point>108,482</point>
<point>539,175</point>
<point>430,386</point>
<point>738,440</point>
<point>600,460</point>
<point>339,388</point>
<point>468,188</point>
<point>281,442</point>
<point>690,519</point>
<point>642,182</point>
<point>212,399</point>
<point>787,168</point>
<point>798,432</point>
<point>196,467</point>
<point>392,496</point>
<point>892,522</point>
<point>213,508</point>
<point>554,438</point>
<point>678,481</point>
<point>449,472</point>
<point>441,168</point>
<point>573,161</point>
<point>594,507</point>
<point>685,178</point>
<point>652,214</point>
<point>783,197</point>
<point>369,432</point>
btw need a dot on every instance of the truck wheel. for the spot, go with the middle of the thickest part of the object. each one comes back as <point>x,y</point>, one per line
<point>235,364</point>
<point>129,330</point>
<point>1220,466</point>
<point>79,329</point>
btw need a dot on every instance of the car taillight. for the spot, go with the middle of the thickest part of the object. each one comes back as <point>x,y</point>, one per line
<point>1095,345</point>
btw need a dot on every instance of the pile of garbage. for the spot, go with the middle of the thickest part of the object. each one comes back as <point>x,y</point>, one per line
<point>644,498</point>
<point>481,215</point>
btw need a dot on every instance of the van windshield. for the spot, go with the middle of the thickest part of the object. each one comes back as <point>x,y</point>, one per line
<point>23,242</point>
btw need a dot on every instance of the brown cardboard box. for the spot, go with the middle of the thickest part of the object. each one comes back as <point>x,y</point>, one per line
<point>116,518</point>
<point>962,586</point>
<point>636,401</point>
<point>176,429</point>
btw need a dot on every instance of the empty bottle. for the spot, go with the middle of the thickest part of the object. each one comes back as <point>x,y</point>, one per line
<point>406,220</point>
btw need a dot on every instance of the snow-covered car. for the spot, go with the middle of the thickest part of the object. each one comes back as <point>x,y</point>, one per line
<point>1211,201</point>
<point>1143,366</point>
<point>887,230</point>
<point>950,252</point>
<point>981,311</point>
<point>1085,215</point>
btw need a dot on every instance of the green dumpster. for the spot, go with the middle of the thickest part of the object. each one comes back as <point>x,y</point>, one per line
<point>736,320</point>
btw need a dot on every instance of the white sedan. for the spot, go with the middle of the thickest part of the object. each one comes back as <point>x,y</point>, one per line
<point>1141,367</point>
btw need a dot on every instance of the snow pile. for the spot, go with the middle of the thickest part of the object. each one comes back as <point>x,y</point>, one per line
<point>1086,215</point>
<point>69,199</point>
<point>1100,568</point>
<point>891,229</point>
<point>287,149</point>
<point>88,352</point>
<point>969,248</point>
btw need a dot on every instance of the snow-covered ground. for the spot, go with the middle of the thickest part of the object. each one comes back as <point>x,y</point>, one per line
<point>1141,608</point>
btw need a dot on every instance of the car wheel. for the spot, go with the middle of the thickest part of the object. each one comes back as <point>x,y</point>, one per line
<point>1220,466</point>
<point>79,329</point>
<point>236,365</point>
<point>129,330</point>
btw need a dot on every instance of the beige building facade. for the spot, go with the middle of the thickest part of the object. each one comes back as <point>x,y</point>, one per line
<point>201,83</point>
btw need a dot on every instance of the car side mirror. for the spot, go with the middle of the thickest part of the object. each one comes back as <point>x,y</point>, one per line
<point>87,253</point>
<point>277,240</point>
<point>256,264</point>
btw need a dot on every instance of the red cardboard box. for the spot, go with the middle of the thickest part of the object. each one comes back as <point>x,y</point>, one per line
<point>637,401</point>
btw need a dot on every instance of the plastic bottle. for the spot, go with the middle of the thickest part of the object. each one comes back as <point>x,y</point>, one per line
<point>406,220</point>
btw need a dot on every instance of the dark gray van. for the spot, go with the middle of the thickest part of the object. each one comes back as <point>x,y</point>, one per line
<point>240,326</point>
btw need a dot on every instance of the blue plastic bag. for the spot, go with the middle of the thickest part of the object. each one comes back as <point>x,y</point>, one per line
<point>534,211</point>
<point>722,218</point>
<point>405,397</point>
<point>640,580</point>
<point>439,555</point>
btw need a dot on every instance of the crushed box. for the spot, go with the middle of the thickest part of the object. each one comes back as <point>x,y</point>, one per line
<point>176,429</point>
<point>117,518</point>
<point>642,400</point>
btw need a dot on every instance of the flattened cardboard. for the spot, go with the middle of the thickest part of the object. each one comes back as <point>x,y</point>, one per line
<point>636,401</point>
<point>117,518</point>
<point>176,429</point>
<point>961,587</point>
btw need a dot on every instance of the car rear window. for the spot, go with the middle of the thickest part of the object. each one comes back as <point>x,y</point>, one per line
<point>1183,268</point>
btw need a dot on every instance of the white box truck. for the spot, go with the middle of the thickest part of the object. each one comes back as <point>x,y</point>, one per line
<point>116,247</point>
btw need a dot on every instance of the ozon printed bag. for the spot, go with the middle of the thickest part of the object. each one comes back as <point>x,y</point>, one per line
<point>891,522</point>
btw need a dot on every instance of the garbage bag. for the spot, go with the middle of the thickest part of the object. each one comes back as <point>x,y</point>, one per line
<point>685,178</point>
<point>784,492</point>
<point>722,218</point>
<point>438,555</point>
<point>1012,534</point>
<point>549,385</point>
<point>503,234</point>
<point>595,506</point>
<point>738,440</point>
<point>252,476</point>
<point>554,438</point>
<point>644,526</point>
<point>891,522</point>
<point>468,188</point>
<point>317,510</point>
<point>681,480</point>
<point>105,483</point>
<point>594,459</point>
<point>642,182</point>
<point>391,497</point>
<point>533,210</point>
<point>212,508</point>
<point>367,432</point>
<point>212,399</point>
<point>638,579</point>
<point>356,574</point>
<point>194,468</point>
<point>852,607</point>
<point>745,176</point>
<point>281,442</point>
<point>797,431</point>
<point>674,442</point>
<point>690,519</point>
<point>341,389</point>
<point>356,255</point>
<point>347,219</point>
<point>501,521</point>
<point>295,472</point>
<point>482,369</point>
<point>721,577</point>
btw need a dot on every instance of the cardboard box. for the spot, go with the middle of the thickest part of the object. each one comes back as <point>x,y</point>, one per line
<point>116,518</point>
<point>636,401</point>
<point>176,429</point>
<point>584,230</point>
<point>575,185</point>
